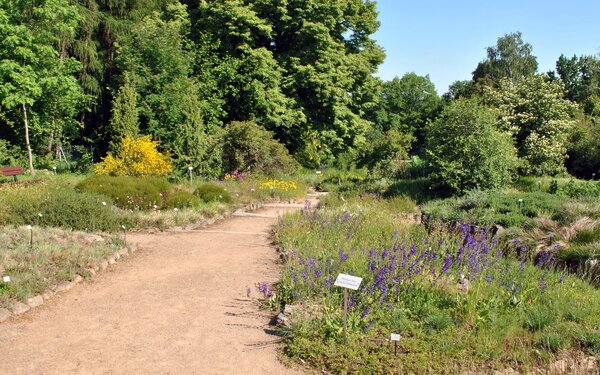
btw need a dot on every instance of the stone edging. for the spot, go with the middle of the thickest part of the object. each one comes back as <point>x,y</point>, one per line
<point>18,308</point>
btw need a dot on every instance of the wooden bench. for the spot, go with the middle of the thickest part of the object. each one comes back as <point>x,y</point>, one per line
<point>11,171</point>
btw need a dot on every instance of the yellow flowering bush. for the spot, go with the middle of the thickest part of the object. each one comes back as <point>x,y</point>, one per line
<point>281,185</point>
<point>137,157</point>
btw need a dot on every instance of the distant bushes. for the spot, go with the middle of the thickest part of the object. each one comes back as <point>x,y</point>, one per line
<point>247,147</point>
<point>58,205</point>
<point>210,192</point>
<point>127,192</point>
<point>182,199</point>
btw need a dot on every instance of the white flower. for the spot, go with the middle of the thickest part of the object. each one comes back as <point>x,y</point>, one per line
<point>520,200</point>
<point>103,203</point>
<point>123,227</point>
<point>593,262</point>
<point>40,215</point>
<point>251,189</point>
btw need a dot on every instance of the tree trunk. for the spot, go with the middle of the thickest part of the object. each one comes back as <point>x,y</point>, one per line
<point>30,157</point>
<point>51,140</point>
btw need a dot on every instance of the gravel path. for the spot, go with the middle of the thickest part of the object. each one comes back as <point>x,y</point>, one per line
<point>178,305</point>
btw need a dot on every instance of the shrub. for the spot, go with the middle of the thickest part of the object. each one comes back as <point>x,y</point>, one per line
<point>125,192</point>
<point>182,199</point>
<point>210,192</point>
<point>136,157</point>
<point>536,319</point>
<point>60,206</point>
<point>247,147</point>
<point>552,342</point>
<point>590,340</point>
<point>466,151</point>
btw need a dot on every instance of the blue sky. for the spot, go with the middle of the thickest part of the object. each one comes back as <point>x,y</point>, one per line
<point>446,39</point>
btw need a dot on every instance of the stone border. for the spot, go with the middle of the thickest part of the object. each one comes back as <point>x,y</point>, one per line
<point>18,307</point>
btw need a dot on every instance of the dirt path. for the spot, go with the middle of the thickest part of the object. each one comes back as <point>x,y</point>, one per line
<point>177,306</point>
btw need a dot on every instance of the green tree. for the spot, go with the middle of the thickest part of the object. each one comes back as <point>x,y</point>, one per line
<point>538,117</point>
<point>407,104</point>
<point>32,40</point>
<point>125,115</point>
<point>581,79</point>
<point>466,151</point>
<point>511,58</point>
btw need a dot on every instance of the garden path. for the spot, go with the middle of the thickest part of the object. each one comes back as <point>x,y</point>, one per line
<point>178,305</point>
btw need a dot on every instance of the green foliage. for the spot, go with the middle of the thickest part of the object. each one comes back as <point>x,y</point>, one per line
<point>590,340</point>
<point>407,104</point>
<point>538,117</point>
<point>386,152</point>
<point>536,319</point>
<point>126,192</point>
<point>182,199</point>
<point>249,148</point>
<point>11,155</point>
<point>60,206</point>
<point>584,150</point>
<point>465,150</point>
<point>534,313</point>
<point>581,79</point>
<point>210,192</point>
<point>509,209</point>
<point>418,189</point>
<point>124,121</point>
<point>56,256</point>
<point>511,58</point>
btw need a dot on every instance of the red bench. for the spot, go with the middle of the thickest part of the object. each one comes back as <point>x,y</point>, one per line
<point>11,171</point>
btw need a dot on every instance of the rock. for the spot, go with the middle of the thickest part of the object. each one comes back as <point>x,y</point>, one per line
<point>47,294</point>
<point>91,271</point>
<point>558,367</point>
<point>64,286</point>
<point>19,308</point>
<point>35,301</point>
<point>116,255</point>
<point>290,309</point>
<point>282,320</point>
<point>103,264</point>
<point>77,279</point>
<point>124,251</point>
<point>90,238</point>
<point>111,260</point>
<point>4,314</point>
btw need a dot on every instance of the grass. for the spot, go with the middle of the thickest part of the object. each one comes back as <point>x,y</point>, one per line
<point>55,256</point>
<point>457,301</point>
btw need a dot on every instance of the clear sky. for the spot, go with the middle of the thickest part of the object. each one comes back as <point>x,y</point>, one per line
<point>447,38</point>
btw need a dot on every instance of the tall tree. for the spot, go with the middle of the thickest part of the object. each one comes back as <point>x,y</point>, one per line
<point>33,39</point>
<point>407,104</point>
<point>511,58</point>
<point>536,114</point>
<point>581,78</point>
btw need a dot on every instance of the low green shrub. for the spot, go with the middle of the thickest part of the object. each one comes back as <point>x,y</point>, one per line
<point>182,199</point>
<point>590,340</point>
<point>57,204</point>
<point>126,192</point>
<point>211,192</point>
<point>536,319</point>
<point>552,342</point>
<point>418,189</point>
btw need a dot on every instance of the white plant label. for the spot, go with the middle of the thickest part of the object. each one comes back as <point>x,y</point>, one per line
<point>395,337</point>
<point>6,279</point>
<point>348,281</point>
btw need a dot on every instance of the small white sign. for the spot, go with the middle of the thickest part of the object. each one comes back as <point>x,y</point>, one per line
<point>348,281</point>
<point>6,279</point>
<point>318,172</point>
<point>395,337</point>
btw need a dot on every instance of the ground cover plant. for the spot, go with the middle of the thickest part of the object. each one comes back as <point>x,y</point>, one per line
<point>52,256</point>
<point>453,293</point>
